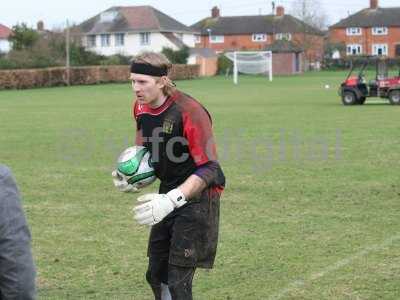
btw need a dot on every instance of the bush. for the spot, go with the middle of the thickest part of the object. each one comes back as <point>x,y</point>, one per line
<point>224,64</point>
<point>49,51</point>
<point>117,59</point>
<point>79,56</point>
<point>7,64</point>
<point>176,57</point>
<point>28,59</point>
<point>23,37</point>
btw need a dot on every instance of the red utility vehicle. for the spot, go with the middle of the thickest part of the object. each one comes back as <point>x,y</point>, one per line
<point>355,89</point>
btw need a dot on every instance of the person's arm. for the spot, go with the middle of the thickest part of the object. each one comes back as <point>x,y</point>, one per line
<point>157,206</point>
<point>192,186</point>
<point>17,270</point>
<point>198,133</point>
<point>208,174</point>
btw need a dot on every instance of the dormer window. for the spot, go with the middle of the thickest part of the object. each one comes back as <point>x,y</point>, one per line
<point>108,16</point>
<point>353,31</point>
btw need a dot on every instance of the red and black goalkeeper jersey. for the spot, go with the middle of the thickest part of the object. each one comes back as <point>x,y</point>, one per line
<point>179,136</point>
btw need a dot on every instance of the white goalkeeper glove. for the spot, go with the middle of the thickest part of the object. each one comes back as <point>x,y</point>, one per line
<point>157,206</point>
<point>122,184</point>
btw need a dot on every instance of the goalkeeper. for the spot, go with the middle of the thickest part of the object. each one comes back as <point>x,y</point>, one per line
<point>184,216</point>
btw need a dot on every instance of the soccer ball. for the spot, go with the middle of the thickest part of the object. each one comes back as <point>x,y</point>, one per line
<point>134,164</point>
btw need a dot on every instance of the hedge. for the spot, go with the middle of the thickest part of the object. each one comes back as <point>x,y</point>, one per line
<point>346,63</point>
<point>34,78</point>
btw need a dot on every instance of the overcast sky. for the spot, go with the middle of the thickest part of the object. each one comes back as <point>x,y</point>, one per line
<point>54,13</point>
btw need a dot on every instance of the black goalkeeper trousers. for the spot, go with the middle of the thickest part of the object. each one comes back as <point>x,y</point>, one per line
<point>179,279</point>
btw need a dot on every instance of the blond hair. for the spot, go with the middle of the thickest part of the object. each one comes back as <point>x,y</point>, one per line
<point>161,61</point>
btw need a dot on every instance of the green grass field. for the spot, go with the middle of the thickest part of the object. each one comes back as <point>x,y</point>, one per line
<point>311,209</point>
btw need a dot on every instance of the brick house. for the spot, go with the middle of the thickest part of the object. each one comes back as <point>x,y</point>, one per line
<point>5,45</point>
<point>257,32</point>
<point>371,31</point>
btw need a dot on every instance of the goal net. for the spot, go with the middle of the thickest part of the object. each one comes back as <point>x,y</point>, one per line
<point>246,62</point>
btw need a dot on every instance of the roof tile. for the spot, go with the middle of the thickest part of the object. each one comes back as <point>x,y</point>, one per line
<point>4,31</point>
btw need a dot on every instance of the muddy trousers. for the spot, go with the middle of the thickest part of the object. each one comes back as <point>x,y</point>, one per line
<point>179,279</point>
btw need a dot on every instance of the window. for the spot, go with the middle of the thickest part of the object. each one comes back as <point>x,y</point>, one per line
<point>353,31</point>
<point>119,39</point>
<point>91,41</point>
<point>353,49</point>
<point>283,36</point>
<point>216,39</point>
<point>379,49</point>
<point>259,37</point>
<point>108,16</point>
<point>379,30</point>
<point>197,38</point>
<point>105,40</point>
<point>145,38</point>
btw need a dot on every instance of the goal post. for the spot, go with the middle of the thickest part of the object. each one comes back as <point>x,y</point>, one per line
<point>251,62</point>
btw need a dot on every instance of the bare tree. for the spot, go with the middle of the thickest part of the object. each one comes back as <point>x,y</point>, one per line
<point>314,19</point>
<point>310,12</point>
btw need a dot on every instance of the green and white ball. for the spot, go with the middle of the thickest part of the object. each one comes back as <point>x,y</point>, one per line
<point>135,165</point>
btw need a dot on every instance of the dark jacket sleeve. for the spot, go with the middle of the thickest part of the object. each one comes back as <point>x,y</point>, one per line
<point>17,270</point>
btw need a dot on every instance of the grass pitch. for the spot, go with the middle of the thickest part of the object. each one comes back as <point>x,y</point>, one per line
<point>311,209</point>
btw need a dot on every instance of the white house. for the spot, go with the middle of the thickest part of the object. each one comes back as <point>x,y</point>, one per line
<point>132,29</point>
<point>5,45</point>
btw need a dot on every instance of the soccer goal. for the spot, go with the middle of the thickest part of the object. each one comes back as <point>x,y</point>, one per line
<point>251,62</point>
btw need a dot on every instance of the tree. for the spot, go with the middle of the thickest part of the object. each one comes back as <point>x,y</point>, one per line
<point>310,12</point>
<point>314,21</point>
<point>48,49</point>
<point>176,57</point>
<point>23,37</point>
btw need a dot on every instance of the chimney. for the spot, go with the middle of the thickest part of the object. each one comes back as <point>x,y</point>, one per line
<point>280,11</point>
<point>373,4</point>
<point>40,26</point>
<point>215,12</point>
